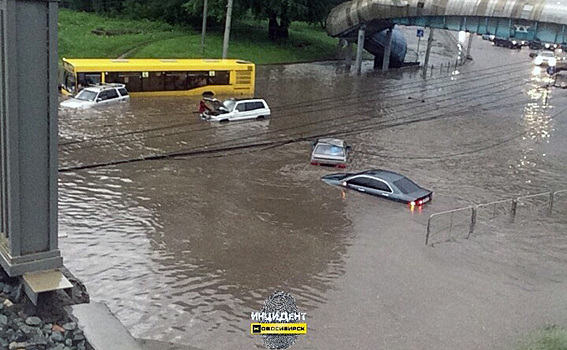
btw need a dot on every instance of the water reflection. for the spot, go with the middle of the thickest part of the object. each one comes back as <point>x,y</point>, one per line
<point>537,121</point>
<point>195,244</point>
<point>183,249</point>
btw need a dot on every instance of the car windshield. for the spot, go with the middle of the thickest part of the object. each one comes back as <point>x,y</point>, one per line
<point>330,150</point>
<point>547,54</point>
<point>406,185</point>
<point>86,95</point>
<point>229,105</point>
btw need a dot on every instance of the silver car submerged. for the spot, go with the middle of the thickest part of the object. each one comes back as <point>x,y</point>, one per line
<point>382,183</point>
<point>98,95</point>
<point>332,152</point>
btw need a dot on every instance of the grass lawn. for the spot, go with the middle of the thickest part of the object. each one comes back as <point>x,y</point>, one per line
<point>551,338</point>
<point>146,39</point>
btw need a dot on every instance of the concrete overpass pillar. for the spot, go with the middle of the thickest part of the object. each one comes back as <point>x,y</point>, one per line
<point>469,46</point>
<point>427,53</point>
<point>387,50</point>
<point>28,136</point>
<point>359,48</point>
<point>348,58</point>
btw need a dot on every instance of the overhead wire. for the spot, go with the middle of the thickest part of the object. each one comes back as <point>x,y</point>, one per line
<point>408,106</point>
<point>478,150</point>
<point>398,92</point>
<point>229,148</point>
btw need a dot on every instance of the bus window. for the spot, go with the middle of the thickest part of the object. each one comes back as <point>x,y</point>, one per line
<point>220,78</point>
<point>69,82</point>
<point>154,82</point>
<point>86,79</point>
<point>197,79</point>
<point>132,80</point>
<point>176,81</point>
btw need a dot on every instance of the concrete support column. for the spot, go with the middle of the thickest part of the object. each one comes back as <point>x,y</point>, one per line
<point>427,53</point>
<point>469,46</point>
<point>387,50</point>
<point>28,136</point>
<point>348,56</point>
<point>359,47</point>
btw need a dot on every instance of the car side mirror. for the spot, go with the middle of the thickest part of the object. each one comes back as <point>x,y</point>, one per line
<point>533,54</point>
<point>348,148</point>
<point>99,99</point>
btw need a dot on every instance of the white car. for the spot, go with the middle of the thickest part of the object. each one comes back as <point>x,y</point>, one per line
<point>546,57</point>
<point>98,95</point>
<point>240,110</point>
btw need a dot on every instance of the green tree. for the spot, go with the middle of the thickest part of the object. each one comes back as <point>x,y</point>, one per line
<point>279,13</point>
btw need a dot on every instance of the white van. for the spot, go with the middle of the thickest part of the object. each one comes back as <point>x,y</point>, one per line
<point>241,109</point>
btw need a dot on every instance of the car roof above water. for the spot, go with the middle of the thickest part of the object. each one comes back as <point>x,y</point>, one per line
<point>383,174</point>
<point>105,86</point>
<point>334,142</point>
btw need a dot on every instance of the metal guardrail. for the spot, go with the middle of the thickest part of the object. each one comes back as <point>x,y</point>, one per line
<point>507,207</point>
<point>452,225</point>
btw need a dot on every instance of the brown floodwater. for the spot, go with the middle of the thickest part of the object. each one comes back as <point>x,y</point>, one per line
<point>183,248</point>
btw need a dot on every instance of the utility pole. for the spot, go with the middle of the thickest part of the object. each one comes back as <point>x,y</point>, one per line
<point>227,29</point>
<point>427,52</point>
<point>204,28</point>
<point>359,48</point>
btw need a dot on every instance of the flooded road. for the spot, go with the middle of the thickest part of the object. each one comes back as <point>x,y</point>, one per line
<point>184,247</point>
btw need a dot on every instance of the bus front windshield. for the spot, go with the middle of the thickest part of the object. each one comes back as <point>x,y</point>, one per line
<point>86,95</point>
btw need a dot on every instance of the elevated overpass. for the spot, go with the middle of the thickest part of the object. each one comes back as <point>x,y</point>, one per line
<point>539,20</point>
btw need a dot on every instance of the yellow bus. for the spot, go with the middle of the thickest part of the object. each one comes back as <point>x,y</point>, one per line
<point>161,77</point>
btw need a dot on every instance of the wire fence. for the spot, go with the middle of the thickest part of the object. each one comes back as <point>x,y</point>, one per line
<point>461,223</point>
<point>443,68</point>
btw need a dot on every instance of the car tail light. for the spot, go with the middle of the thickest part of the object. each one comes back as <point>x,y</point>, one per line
<point>314,163</point>
<point>342,166</point>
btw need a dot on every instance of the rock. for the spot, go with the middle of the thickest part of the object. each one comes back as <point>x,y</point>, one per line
<point>71,326</point>
<point>47,329</point>
<point>3,320</point>
<point>18,293</point>
<point>77,337</point>
<point>27,330</point>
<point>7,303</point>
<point>9,333</point>
<point>58,328</point>
<point>7,289</point>
<point>4,343</point>
<point>38,341</point>
<point>17,346</point>
<point>69,342</point>
<point>56,337</point>
<point>18,337</point>
<point>33,321</point>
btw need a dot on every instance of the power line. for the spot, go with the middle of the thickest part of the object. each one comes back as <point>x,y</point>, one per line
<point>177,125</point>
<point>252,145</point>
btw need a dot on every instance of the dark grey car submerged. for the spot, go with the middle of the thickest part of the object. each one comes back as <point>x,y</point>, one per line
<point>382,183</point>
